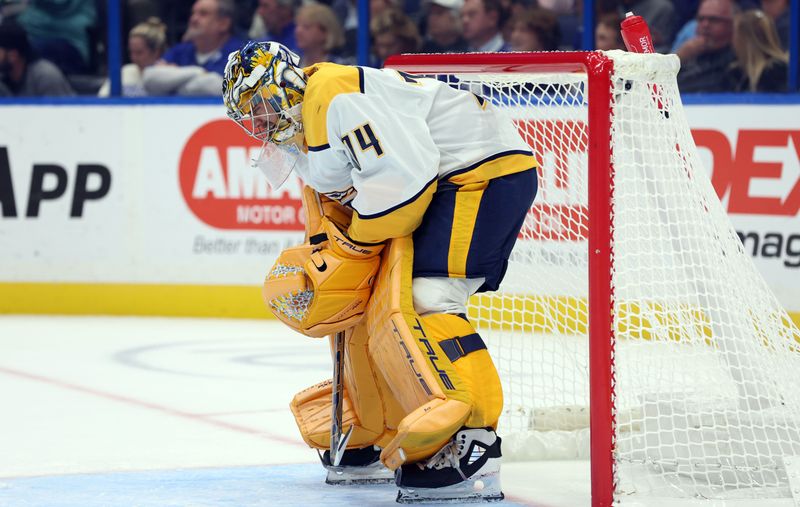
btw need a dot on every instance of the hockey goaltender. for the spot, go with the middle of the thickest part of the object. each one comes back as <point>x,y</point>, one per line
<point>415,195</point>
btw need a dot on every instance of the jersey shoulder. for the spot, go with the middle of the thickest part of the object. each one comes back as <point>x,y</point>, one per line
<point>326,81</point>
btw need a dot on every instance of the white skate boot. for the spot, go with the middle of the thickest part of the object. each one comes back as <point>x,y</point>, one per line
<point>466,469</point>
<point>358,466</point>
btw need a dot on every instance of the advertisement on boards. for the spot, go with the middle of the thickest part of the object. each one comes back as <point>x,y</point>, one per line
<point>753,155</point>
<point>161,195</point>
<point>166,194</point>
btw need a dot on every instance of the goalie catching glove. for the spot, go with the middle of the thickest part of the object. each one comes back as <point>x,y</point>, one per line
<point>322,286</point>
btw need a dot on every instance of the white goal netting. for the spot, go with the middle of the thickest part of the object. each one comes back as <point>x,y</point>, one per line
<point>705,361</point>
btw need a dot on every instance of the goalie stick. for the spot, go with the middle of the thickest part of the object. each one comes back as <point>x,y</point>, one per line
<point>338,441</point>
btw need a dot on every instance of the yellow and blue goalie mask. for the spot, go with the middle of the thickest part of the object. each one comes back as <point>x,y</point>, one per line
<point>263,91</point>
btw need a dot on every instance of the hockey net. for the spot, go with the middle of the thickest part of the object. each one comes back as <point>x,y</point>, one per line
<point>691,378</point>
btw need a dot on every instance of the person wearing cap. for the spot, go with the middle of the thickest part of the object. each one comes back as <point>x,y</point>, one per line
<point>22,72</point>
<point>444,33</point>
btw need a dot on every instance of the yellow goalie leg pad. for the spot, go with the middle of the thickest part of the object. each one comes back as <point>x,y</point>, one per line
<point>475,373</point>
<point>377,408</point>
<point>392,347</point>
<point>474,395</point>
<point>312,413</point>
<point>366,404</point>
<point>438,396</point>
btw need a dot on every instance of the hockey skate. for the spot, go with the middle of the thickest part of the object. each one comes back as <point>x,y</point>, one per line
<point>466,469</point>
<point>358,466</point>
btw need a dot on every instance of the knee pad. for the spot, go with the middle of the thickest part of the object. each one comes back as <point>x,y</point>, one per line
<point>443,295</point>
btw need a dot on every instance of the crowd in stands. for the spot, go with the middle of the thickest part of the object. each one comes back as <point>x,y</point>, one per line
<point>57,47</point>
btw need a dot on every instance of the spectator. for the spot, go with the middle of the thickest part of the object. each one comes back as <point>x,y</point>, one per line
<point>275,21</point>
<point>705,59</point>
<point>208,39</point>
<point>443,26</point>
<point>58,29</point>
<point>607,34</point>
<point>22,74</point>
<point>535,30</point>
<point>660,17</point>
<point>761,64</point>
<point>482,21</point>
<point>778,10</point>
<point>146,44</point>
<point>318,34</point>
<point>689,27</point>
<point>195,66</point>
<point>393,33</point>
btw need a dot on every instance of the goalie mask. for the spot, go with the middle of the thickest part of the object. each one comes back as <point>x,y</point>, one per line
<point>263,91</point>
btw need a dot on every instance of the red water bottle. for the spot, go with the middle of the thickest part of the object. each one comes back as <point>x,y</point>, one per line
<point>636,34</point>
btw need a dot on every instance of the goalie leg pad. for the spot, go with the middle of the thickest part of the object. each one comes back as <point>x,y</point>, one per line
<point>312,412</point>
<point>438,394</point>
<point>372,400</point>
<point>462,353</point>
<point>469,380</point>
<point>366,403</point>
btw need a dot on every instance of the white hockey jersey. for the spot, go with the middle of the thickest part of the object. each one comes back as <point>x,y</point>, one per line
<point>381,141</point>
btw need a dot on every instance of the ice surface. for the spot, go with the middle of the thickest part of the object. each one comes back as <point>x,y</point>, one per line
<point>275,485</point>
<point>168,412</point>
<point>117,412</point>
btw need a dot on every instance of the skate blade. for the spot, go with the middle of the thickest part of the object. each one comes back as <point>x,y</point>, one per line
<point>474,490</point>
<point>346,476</point>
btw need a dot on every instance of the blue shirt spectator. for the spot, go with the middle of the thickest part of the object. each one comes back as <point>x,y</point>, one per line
<point>186,53</point>
<point>196,65</point>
